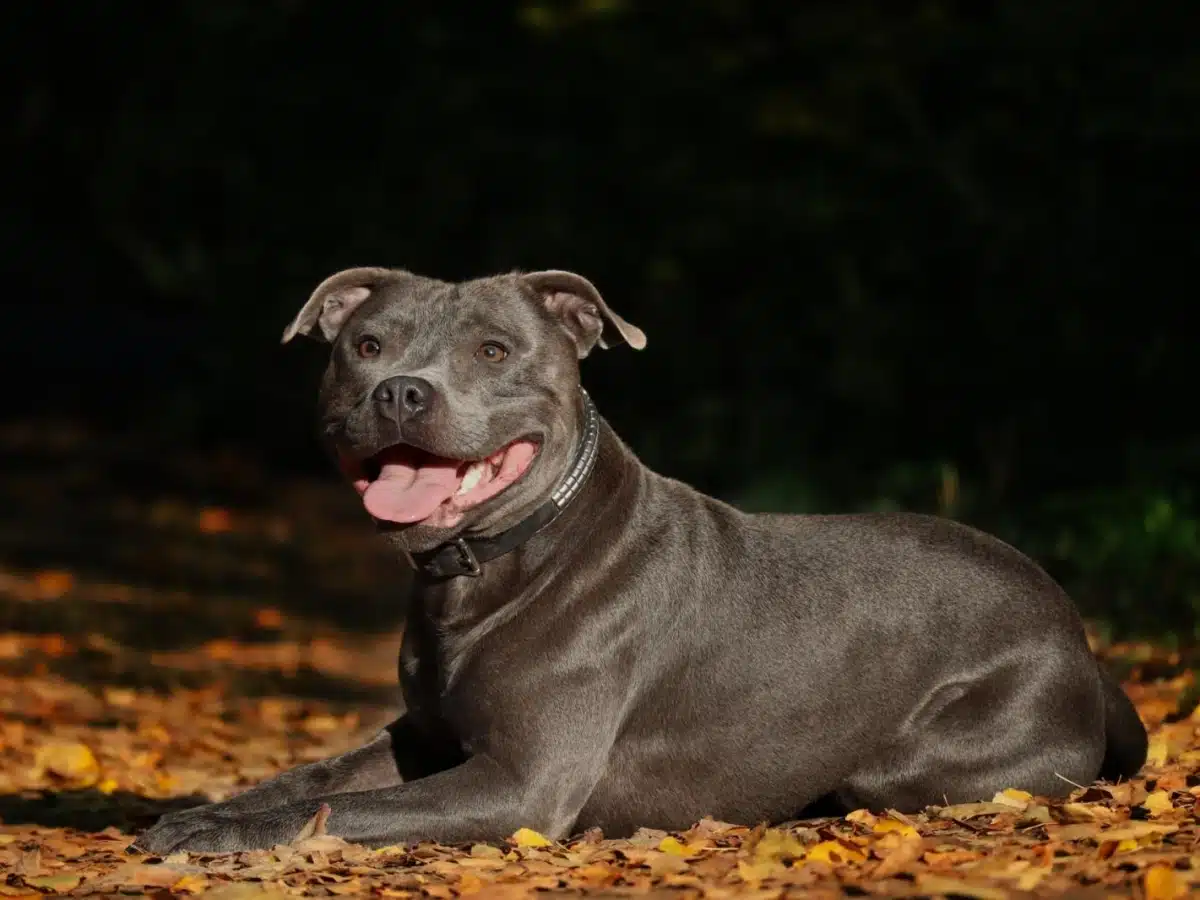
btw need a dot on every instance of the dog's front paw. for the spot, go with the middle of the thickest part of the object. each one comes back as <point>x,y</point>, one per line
<point>218,828</point>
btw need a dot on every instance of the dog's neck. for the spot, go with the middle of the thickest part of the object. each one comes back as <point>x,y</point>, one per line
<point>548,559</point>
<point>465,556</point>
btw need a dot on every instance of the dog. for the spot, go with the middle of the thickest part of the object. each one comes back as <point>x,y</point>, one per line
<point>591,644</point>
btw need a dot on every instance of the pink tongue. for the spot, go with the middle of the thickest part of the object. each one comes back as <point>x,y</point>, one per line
<point>404,493</point>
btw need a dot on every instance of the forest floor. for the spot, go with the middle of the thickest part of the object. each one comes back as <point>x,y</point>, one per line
<point>172,636</point>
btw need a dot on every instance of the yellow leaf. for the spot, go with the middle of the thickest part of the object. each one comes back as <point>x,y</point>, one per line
<point>1157,751</point>
<point>527,837</point>
<point>71,761</point>
<point>833,852</point>
<point>1168,742</point>
<point>1161,883</point>
<point>107,786</point>
<point>753,873</point>
<point>672,846</point>
<point>1013,797</point>
<point>1126,845</point>
<point>1135,830</point>
<point>776,844</point>
<point>884,826</point>
<point>190,884</point>
<point>469,883</point>
<point>59,884</point>
<point>1158,803</point>
<point>1031,878</point>
<point>486,851</point>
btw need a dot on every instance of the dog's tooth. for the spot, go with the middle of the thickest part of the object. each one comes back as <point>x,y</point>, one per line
<point>471,478</point>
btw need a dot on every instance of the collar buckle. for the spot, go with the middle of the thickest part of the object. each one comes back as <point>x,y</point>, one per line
<point>466,558</point>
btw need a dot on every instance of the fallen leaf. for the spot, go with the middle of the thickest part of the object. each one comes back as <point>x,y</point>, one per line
<point>1013,797</point>
<point>268,617</point>
<point>486,851</point>
<point>939,884</point>
<point>1031,878</point>
<point>898,855</point>
<point>973,810</point>
<point>314,827</point>
<point>1158,802</point>
<point>469,883</point>
<point>1162,883</point>
<point>753,873</point>
<point>72,762</point>
<point>1137,830</point>
<point>674,847</point>
<point>886,826</point>
<point>776,844</point>
<point>527,837</point>
<point>833,852</point>
<point>214,520</point>
<point>190,884</point>
<point>57,884</point>
<point>30,862</point>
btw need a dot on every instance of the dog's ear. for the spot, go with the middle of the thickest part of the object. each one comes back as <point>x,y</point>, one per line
<point>583,312</point>
<point>334,300</point>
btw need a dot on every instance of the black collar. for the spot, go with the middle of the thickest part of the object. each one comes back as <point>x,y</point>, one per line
<point>463,555</point>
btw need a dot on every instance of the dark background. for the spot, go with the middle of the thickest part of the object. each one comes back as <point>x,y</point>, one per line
<point>922,255</point>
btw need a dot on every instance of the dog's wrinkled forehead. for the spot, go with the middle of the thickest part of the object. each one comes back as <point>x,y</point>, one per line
<point>427,313</point>
<point>434,309</point>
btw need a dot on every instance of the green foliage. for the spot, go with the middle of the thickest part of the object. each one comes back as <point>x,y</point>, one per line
<point>1132,556</point>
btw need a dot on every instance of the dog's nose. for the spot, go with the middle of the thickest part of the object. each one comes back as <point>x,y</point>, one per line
<point>403,397</point>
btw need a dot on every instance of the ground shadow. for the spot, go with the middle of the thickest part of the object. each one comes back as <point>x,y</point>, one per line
<point>89,810</point>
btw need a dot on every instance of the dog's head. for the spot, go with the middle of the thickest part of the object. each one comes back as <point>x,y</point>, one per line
<point>454,407</point>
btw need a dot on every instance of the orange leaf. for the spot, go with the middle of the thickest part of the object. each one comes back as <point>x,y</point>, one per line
<point>1161,883</point>
<point>268,617</point>
<point>833,852</point>
<point>214,520</point>
<point>51,585</point>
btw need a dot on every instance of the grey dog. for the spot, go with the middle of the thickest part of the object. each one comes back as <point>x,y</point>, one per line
<point>589,643</point>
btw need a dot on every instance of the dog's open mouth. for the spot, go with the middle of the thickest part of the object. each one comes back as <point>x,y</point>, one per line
<point>406,485</point>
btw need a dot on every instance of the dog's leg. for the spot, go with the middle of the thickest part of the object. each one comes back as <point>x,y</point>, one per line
<point>481,799</point>
<point>399,753</point>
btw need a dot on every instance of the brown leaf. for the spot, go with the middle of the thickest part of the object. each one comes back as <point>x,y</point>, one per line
<point>55,884</point>
<point>939,884</point>
<point>898,854</point>
<point>973,810</point>
<point>314,827</point>
<point>30,862</point>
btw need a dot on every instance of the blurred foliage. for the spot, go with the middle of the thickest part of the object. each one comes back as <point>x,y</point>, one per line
<point>952,232</point>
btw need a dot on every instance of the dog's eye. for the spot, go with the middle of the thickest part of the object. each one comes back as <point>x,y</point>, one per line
<point>368,347</point>
<point>490,351</point>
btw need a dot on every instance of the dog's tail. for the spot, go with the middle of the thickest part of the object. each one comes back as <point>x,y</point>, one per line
<point>1124,734</point>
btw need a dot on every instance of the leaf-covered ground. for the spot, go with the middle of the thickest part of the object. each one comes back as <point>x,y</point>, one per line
<point>165,647</point>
